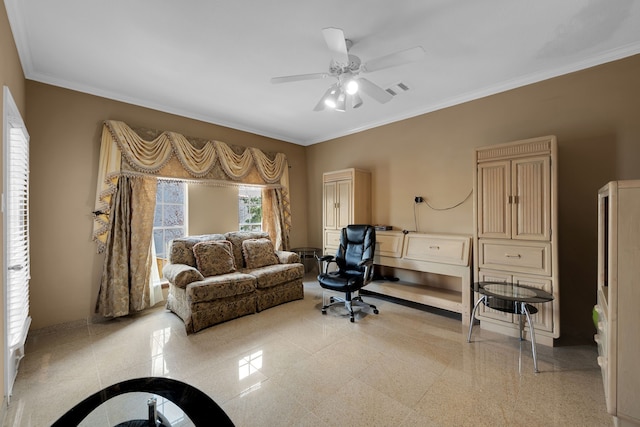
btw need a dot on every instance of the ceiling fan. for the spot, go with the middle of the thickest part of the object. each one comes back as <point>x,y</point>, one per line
<point>347,68</point>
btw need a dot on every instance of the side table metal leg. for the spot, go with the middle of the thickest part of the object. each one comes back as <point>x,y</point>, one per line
<point>533,337</point>
<point>520,326</point>
<point>473,316</point>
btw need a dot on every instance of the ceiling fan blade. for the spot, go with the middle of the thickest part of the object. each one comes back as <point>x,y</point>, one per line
<point>334,37</point>
<point>374,91</point>
<point>298,77</point>
<point>394,59</point>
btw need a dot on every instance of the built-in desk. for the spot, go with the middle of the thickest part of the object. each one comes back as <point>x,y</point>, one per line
<point>434,269</point>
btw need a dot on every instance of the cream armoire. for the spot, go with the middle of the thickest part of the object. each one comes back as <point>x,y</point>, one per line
<point>515,229</point>
<point>346,199</point>
<point>618,299</point>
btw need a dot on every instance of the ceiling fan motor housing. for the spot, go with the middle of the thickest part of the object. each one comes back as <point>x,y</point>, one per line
<point>353,66</point>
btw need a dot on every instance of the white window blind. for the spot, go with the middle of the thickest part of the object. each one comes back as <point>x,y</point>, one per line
<point>16,238</point>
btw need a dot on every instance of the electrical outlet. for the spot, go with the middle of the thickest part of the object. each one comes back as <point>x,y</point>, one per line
<point>418,199</point>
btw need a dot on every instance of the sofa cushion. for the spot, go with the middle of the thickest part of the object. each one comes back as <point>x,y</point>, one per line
<point>222,286</point>
<point>237,237</point>
<point>277,274</point>
<point>258,253</point>
<point>214,257</point>
<point>182,248</point>
<point>181,275</point>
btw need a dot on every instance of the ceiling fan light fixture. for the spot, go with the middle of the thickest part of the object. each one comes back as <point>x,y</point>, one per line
<point>341,104</point>
<point>331,100</point>
<point>351,86</point>
<point>356,101</point>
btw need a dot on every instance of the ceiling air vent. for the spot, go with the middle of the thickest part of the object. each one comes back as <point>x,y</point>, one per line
<point>397,89</point>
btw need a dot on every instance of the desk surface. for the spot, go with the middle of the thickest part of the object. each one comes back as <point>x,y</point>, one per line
<point>512,292</point>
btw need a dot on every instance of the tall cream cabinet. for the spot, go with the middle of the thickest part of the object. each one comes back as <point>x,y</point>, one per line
<point>515,223</point>
<point>618,296</point>
<point>346,199</point>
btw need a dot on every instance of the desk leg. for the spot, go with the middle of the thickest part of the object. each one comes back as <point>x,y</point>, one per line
<point>473,316</point>
<point>533,337</point>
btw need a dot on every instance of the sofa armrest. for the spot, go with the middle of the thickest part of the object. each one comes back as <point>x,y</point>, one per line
<point>181,275</point>
<point>286,257</point>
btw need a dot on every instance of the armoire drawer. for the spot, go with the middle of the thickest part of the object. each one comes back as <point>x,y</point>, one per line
<point>529,257</point>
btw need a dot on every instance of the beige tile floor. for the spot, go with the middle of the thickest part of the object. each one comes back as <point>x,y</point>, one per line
<point>290,365</point>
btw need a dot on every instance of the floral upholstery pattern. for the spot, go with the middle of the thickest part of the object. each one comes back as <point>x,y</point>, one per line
<point>286,257</point>
<point>214,257</point>
<point>223,286</point>
<point>202,301</point>
<point>273,275</point>
<point>270,297</point>
<point>202,315</point>
<point>258,253</point>
<point>181,275</point>
<point>182,249</point>
<point>237,237</point>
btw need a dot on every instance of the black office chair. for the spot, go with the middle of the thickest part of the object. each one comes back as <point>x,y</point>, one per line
<point>354,259</point>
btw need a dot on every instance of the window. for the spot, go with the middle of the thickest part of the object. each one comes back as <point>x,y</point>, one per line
<point>169,220</point>
<point>250,208</point>
<point>16,258</point>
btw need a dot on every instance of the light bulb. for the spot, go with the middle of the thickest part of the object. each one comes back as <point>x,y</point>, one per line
<point>352,87</point>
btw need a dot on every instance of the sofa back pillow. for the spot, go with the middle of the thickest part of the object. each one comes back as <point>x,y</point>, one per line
<point>258,253</point>
<point>214,257</point>
<point>237,237</point>
<point>182,248</point>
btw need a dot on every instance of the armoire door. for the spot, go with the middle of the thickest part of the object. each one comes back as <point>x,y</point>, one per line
<point>531,206</point>
<point>494,188</point>
<point>329,201</point>
<point>344,207</point>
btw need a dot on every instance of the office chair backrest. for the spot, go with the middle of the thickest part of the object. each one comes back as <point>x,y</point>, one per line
<point>357,243</point>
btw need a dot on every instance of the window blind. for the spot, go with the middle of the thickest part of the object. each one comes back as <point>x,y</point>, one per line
<point>16,238</point>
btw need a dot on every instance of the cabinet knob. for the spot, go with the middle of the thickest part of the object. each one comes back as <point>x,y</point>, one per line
<point>512,255</point>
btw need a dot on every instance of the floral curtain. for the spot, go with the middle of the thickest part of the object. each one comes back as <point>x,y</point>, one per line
<point>125,199</point>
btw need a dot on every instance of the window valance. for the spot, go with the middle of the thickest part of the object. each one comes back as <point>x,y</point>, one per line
<point>124,152</point>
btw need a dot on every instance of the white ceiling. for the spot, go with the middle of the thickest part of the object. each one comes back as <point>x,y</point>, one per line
<point>213,60</point>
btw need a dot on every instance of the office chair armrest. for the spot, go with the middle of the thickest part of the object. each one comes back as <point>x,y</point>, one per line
<point>368,269</point>
<point>365,263</point>
<point>323,263</point>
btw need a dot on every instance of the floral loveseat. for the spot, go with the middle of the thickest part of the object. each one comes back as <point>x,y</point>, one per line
<point>218,277</point>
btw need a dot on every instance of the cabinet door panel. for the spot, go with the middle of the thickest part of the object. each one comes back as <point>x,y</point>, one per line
<point>486,312</point>
<point>494,213</point>
<point>329,205</point>
<point>532,194</point>
<point>344,212</point>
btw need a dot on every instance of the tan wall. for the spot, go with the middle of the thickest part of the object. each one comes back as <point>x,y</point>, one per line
<point>65,129</point>
<point>11,75</point>
<point>212,209</point>
<point>594,113</point>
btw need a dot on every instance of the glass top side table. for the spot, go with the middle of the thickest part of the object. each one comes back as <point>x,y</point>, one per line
<point>511,298</point>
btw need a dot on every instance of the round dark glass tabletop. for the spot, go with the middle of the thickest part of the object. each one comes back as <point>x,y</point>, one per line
<point>512,292</point>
